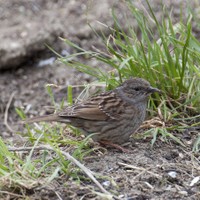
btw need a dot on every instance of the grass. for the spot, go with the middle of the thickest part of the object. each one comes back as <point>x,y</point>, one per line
<point>165,54</point>
<point>168,59</point>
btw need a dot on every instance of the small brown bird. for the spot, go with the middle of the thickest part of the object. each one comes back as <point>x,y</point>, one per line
<point>112,115</point>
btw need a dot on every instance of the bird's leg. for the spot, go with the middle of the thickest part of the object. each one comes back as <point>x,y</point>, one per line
<point>116,146</point>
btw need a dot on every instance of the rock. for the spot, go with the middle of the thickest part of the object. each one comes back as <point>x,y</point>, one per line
<point>26,26</point>
<point>22,41</point>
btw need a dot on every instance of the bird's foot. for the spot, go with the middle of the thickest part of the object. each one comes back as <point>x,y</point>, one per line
<point>116,146</point>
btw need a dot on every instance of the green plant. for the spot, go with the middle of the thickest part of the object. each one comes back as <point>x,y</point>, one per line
<point>165,54</point>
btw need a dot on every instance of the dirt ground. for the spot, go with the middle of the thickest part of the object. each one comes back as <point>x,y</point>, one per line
<point>165,171</point>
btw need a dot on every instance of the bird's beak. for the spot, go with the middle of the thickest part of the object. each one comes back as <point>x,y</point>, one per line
<point>152,90</point>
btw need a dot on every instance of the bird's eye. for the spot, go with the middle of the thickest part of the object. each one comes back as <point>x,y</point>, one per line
<point>137,89</point>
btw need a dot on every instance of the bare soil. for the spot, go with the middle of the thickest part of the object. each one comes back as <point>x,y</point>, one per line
<point>165,171</point>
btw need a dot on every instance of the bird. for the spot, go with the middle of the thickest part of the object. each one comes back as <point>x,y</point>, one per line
<point>110,117</point>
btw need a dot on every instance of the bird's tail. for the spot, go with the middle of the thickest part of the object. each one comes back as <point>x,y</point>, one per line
<point>45,118</point>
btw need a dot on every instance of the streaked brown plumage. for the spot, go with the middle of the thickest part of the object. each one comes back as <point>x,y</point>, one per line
<point>112,115</point>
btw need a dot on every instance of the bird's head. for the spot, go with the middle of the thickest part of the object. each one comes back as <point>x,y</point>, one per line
<point>136,89</point>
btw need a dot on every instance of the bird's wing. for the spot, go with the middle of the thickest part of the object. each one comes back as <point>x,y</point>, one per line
<point>102,107</point>
<point>112,105</point>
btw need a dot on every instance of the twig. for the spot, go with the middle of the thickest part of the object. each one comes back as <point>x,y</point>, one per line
<point>11,194</point>
<point>59,197</point>
<point>26,148</point>
<point>6,112</point>
<point>69,157</point>
<point>138,168</point>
